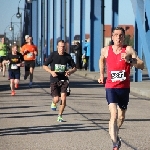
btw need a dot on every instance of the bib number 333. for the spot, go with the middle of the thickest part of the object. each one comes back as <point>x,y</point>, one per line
<point>118,76</point>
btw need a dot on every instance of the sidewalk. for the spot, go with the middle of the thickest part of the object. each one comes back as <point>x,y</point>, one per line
<point>139,88</point>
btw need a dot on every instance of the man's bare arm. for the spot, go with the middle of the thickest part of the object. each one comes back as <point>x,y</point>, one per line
<point>102,65</point>
<point>135,60</point>
<point>102,62</point>
<point>46,68</point>
<point>74,69</point>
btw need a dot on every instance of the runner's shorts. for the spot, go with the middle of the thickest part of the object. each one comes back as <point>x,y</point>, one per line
<point>29,64</point>
<point>59,87</point>
<point>119,96</point>
<point>14,74</point>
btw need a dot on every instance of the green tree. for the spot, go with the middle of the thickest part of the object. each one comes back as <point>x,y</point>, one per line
<point>128,40</point>
<point>131,43</point>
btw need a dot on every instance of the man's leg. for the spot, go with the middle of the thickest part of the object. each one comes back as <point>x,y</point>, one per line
<point>120,120</point>
<point>61,107</point>
<point>16,82</point>
<point>113,129</point>
<point>122,105</point>
<point>87,61</point>
<point>17,79</point>
<point>121,117</point>
<point>4,68</point>
<point>55,94</point>
<point>55,99</point>
<point>31,75</point>
<point>80,62</point>
<point>62,104</point>
<point>1,64</point>
<point>64,87</point>
<point>32,66</point>
<point>12,84</point>
<point>27,70</point>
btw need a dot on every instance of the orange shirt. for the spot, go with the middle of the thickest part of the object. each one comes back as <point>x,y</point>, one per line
<point>28,51</point>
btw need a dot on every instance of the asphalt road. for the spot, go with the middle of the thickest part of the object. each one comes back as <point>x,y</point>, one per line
<point>27,122</point>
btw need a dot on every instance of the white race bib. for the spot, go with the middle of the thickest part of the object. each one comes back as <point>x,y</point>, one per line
<point>14,66</point>
<point>118,76</point>
<point>60,68</point>
<point>29,55</point>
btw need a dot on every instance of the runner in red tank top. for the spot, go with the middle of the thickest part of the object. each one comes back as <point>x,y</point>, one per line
<point>118,72</point>
<point>118,59</point>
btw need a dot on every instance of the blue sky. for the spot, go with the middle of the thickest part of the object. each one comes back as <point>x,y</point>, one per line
<point>9,7</point>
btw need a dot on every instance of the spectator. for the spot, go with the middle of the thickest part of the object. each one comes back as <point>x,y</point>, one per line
<point>78,53</point>
<point>3,53</point>
<point>87,54</point>
<point>44,50</point>
<point>72,52</point>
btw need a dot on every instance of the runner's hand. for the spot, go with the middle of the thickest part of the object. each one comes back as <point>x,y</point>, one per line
<point>18,65</point>
<point>126,57</point>
<point>22,64</point>
<point>101,80</point>
<point>67,73</point>
<point>35,52</point>
<point>25,51</point>
<point>53,73</point>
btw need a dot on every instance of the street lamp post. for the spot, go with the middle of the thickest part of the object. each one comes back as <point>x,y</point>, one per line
<point>11,28</point>
<point>5,31</point>
<point>29,1</point>
<point>5,35</point>
<point>19,15</point>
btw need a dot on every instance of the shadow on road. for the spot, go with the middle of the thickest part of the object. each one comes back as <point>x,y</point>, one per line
<point>46,129</point>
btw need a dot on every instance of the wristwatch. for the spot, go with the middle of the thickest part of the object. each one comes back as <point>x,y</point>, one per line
<point>131,60</point>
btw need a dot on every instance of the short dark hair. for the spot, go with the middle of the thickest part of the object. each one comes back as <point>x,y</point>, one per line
<point>62,41</point>
<point>14,45</point>
<point>119,28</point>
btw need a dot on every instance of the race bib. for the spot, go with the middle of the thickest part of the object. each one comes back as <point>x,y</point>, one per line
<point>60,68</point>
<point>29,55</point>
<point>118,76</point>
<point>14,66</point>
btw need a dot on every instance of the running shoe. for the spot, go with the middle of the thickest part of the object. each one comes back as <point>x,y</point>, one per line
<point>53,106</point>
<point>119,141</point>
<point>30,85</point>
<point>60,119</point>
<point>16,86</point>
<point>13,93</point>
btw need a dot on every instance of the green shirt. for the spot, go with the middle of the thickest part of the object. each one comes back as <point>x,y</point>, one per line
<point>3,49</point>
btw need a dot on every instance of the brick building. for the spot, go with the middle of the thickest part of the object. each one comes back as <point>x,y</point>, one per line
<point>129,30</point>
